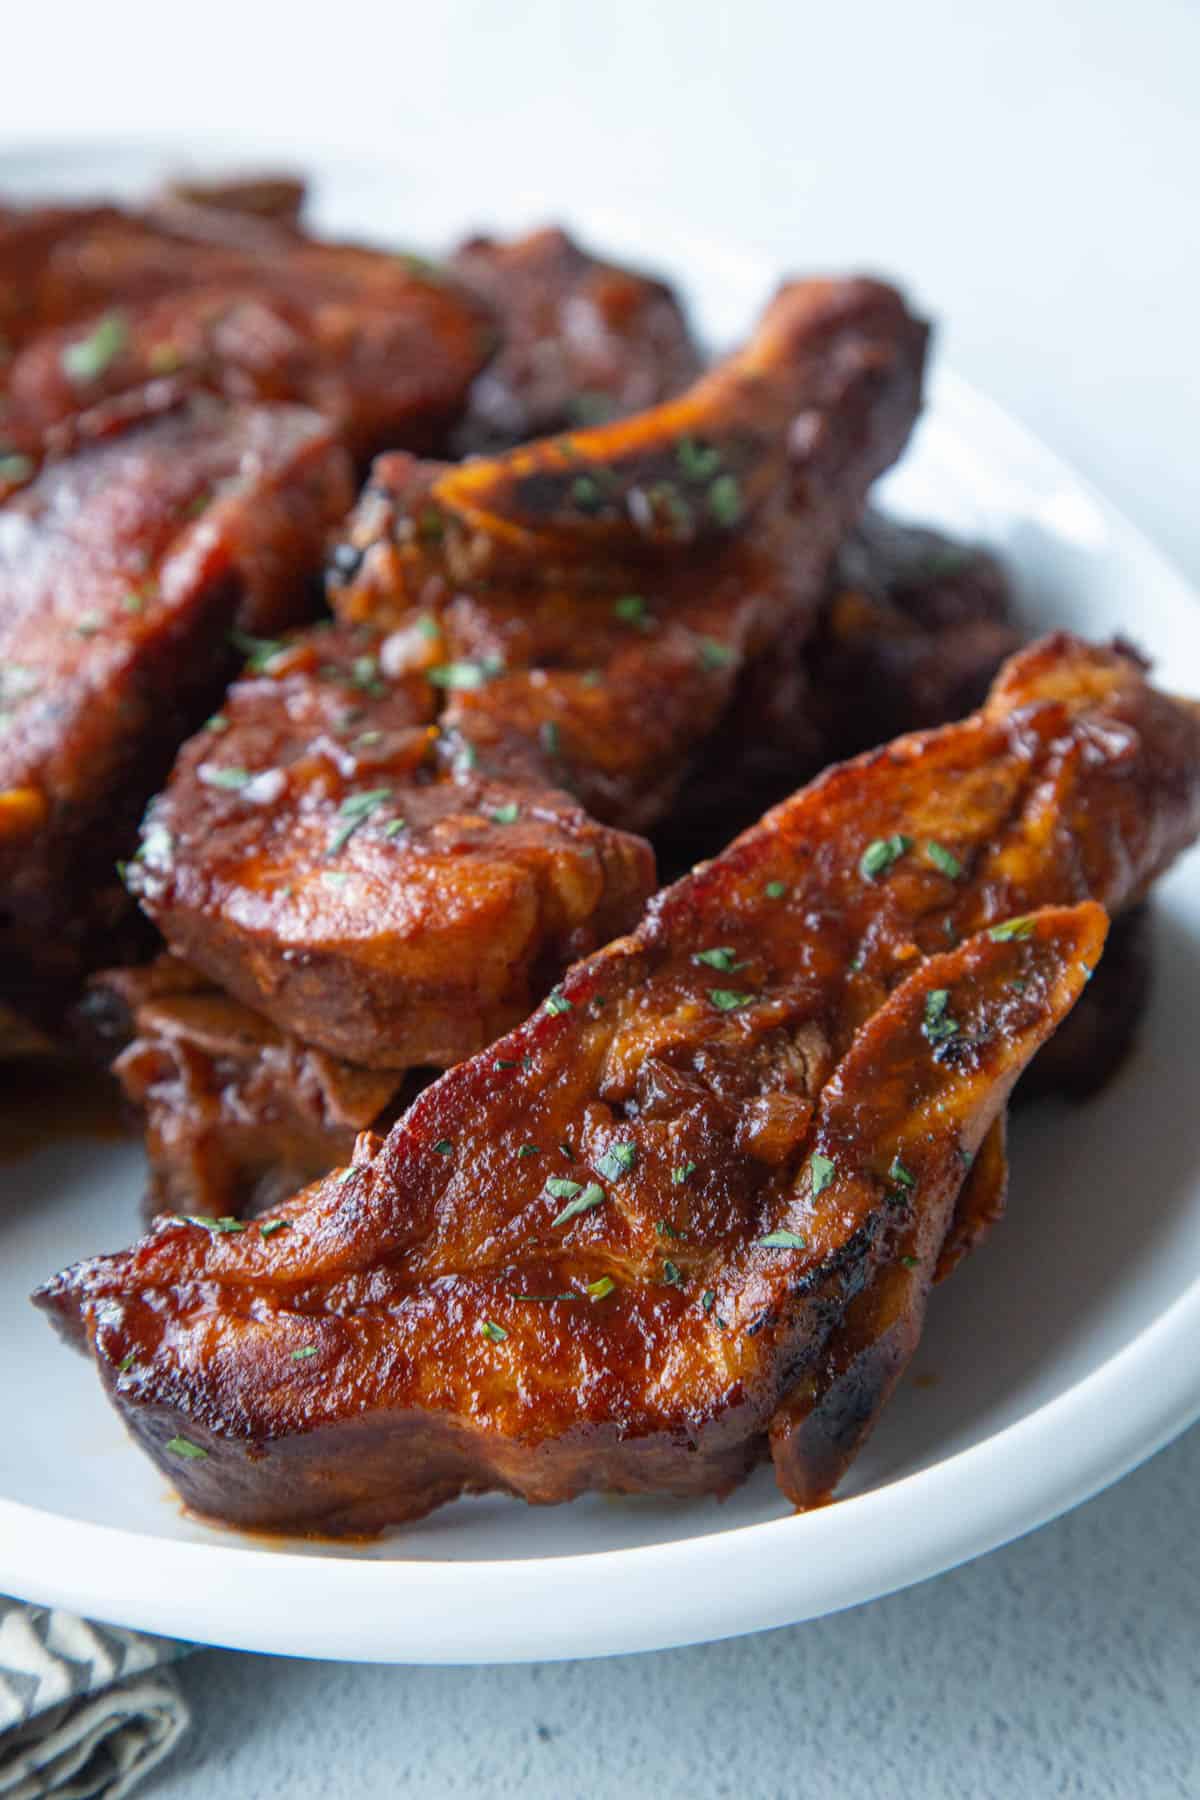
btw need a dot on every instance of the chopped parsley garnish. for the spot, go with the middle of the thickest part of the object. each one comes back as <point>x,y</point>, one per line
<point>218,722</point>
<point>557,1002</point>
<point>899,1173</point>
<point>87,358</point>
<point>631,609</point>
<point>181,1446</point>
<point>617,1160</point>
<point>671,1275</point>
<point>14,467</point>
<point>460,675</point>
<point>223,1227</point>
<point>1010,929</point>
<point>681,1173</point>
<point>304,1352</point>
<point>783,1240</point>
<point>505,1062</point>
<point>823,1172</point>
<point>495,1334</point>
<point>586,493</point>
<point>133,602</point>
<point>126,1363</point>
<point>664,1228</point>
<point>507,814</point>
<point>910,1262</point>
<point>713,655</point>
<point>561,1187</point>
<point>944,859</point>
<point>720,958</point>
<point>592,1195</point>
<point>725,500</point>
<point>775,890</point>
<point>601,1289</point>
<point>355,810</point>
<point>729,999</point>
<point>550,737</point>
<point>697,461</point>
<point>443,1147</point>
<point>394,827</point>
<point>270,1226</point>
<point>879,855</point>
<point>708,1300</point>
<point>937,1025</point>
<point>529,1150</point>
<point>966,1157</point>
<point>565,1148</point>
<point>257,651</point>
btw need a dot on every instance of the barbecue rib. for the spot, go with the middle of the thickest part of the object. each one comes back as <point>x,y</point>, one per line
<point>582,341</point>
<point>122,571</point>
<point>737,1140</point>
<point>97,303</point>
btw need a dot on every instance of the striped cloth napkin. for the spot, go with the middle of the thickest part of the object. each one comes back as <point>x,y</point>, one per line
<point>85,1710</point>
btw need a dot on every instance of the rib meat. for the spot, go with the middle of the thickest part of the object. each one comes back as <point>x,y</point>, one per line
<point>123,569</point>
<point>582,340</point>
<point>693,1207</point>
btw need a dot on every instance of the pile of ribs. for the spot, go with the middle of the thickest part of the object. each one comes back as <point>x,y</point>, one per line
<point>337,821</point>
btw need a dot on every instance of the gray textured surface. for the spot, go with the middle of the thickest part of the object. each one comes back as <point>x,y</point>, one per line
<point>1033,171</point>
<point>1066,1664</point>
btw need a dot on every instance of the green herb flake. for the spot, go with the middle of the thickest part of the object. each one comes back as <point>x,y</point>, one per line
<point>601,1289</point>
<point>682,1173</point>
<point>1011,929</point>
<point>725,500</point>
<point>495,1334</point>
<point>304,1352</point>
<point>783,1240</point>
<point>775,890</point>
<point>937,1024</point>
<point>564,1148</point>
<point>504,1062</point>
<point>334,878</point>
<point>631,609</point>
<point>181,1446</point>
<point>126,1363</point>
<point>586,494</point>
<point>671,1275</point>
<point>508,814</point>
<point>257,651</point>
<point>697,461</point>
<point>592,1195</point>
<point>133,602</point>
<point>823,1172</point>
<point>14,467</point>
<point>557,1003</point>
<point>560,1187</point>
<point>443,1147</point>
<point>664,1228</point>
<point>880,854</point>
<point>910,1262</point>
<point>550,737</point>
<point>458,676</point>
<point>217,723</point>
<point>708,1300</point>
<point>720,958</point>
<point>269,1227</point>
<point>225,1226</point>
<point>617,1160</point>
<point>944,860</point>
<point>713,655</point>
<point>899,1173</point>
<point>729,999</point>
<point>87,358</point>
<point>529,1150</point>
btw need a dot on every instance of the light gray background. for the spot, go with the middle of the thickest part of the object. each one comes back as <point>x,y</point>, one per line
<point>1034,172</point>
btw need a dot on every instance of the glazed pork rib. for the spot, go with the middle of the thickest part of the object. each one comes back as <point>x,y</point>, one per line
<point>123,571</point>
<point>693,1207</point>
<point>570,697</point>
<point>582,340</point>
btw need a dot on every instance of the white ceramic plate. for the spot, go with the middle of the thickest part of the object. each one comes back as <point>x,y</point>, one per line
<point>1059,1356</point>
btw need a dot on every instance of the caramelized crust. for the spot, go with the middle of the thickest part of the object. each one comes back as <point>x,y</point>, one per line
<point>582,340</point>
<point>327,861</point>
<point>598,595</point>
<point>122,571</point>
<point>696,1203</point>
<point>99,303</point>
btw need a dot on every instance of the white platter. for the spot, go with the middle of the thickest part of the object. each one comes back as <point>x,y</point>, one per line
<point>1063,1353</point>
